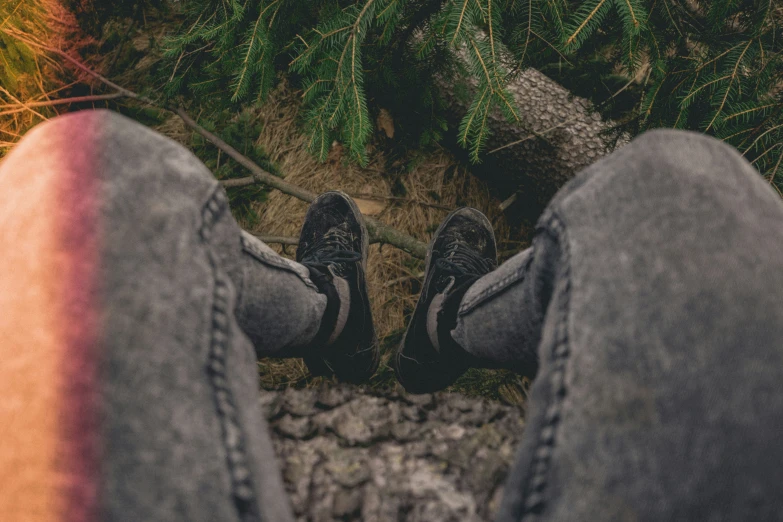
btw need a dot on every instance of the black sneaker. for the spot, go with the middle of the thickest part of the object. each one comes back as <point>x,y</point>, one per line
<point>462,250</point>
<point>333,246</point>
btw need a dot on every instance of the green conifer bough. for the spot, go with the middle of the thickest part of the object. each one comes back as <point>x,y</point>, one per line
<point>711,66</point>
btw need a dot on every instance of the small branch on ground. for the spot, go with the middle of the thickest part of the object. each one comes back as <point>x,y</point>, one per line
<point>238,182</point>
<point>279,240</point>
<point>259,175</point>
<point>250,180</point>
<point>379,232</point>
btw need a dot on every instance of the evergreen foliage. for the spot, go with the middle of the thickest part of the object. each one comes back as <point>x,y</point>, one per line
<point>725,79</point>
<point>710,66</point>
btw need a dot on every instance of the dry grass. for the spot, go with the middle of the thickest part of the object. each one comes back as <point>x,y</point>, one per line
<point>393,276</point>
<point>173,127</point>
<point>34,75</point>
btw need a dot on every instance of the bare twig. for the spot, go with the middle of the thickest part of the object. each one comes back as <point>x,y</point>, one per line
<point>279,240</point>
<point>259,175</point>
<point>22,105</point>
<point>250,180</point>
<point>379,232</point>
<point>65,101</point>
<point>294,241</point>
<point>238,182</point>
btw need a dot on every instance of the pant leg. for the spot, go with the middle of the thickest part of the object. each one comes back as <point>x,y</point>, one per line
<point>135,392</point>
<point>650,308</point>
<point>279,307</point>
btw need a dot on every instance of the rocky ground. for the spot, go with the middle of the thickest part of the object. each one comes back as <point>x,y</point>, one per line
<point>348,453</point>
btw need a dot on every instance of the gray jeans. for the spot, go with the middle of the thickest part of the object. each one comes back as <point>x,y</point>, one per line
<point>649,309</point>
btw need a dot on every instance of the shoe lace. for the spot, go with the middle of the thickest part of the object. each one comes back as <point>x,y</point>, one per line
<point>461,260</point>
<point>333,248</point>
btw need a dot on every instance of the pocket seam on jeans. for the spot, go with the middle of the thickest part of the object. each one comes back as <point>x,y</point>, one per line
<point>533,499</point>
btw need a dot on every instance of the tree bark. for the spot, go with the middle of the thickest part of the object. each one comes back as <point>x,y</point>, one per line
<point>557,136</point>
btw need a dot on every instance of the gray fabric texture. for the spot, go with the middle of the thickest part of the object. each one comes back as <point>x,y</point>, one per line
<point>650,310</point>
<point>185,438</point>
<point>186,297</point>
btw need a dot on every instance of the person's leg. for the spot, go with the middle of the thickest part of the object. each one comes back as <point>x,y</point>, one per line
<point>130,389</point>
<point>650,310</point>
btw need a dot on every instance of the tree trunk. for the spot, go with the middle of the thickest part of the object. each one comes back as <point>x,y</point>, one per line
<point>557,136</point>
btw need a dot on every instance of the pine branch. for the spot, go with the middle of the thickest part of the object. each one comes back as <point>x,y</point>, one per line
<point>753,144</point>
<point>728,87</point>
<point>241,85</point>
<point>461,19</point>
<point>528,30</point>
<point>585,23</point>
<point>713,67</point>
<point>279,240</point>
<point>634,18</point>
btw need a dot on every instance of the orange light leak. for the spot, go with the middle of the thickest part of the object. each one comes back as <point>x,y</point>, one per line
<point>49,328</point>
<point>26,73</point>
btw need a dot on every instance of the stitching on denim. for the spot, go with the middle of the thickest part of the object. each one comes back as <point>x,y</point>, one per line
<point>274,261</point>
<point>468,306</point>
<point>237,459</point>
<point>215,206</point>
<point>533,501</point>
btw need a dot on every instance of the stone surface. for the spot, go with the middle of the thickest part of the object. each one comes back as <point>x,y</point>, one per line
<point>348,453</point>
